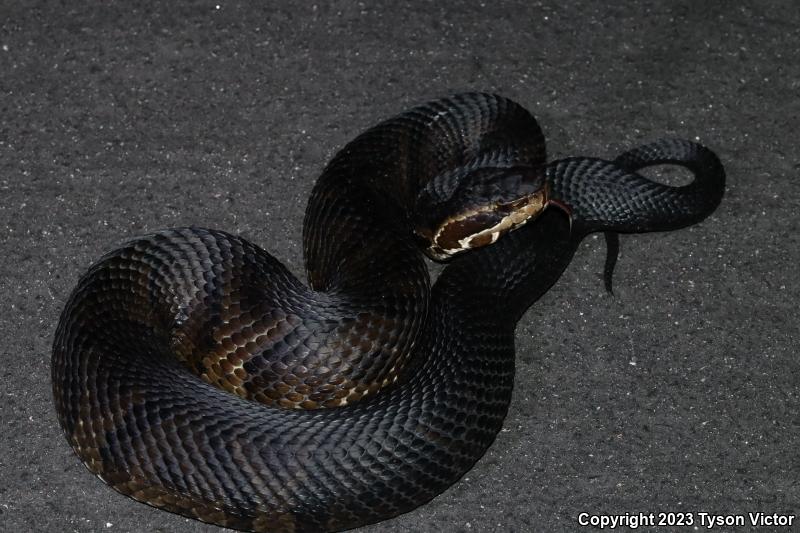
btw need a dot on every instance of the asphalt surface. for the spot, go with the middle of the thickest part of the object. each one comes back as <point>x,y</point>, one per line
<point>679,394</point>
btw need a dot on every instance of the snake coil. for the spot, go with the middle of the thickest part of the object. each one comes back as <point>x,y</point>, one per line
<point>191,371</point>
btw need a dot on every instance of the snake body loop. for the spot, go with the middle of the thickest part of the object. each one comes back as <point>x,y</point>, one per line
<point>193,372</point>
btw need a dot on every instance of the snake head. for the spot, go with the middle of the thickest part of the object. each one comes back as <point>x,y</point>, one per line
<point>473,207</point>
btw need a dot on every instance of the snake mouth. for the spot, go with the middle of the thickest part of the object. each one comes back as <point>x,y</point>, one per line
<point>485,225</point>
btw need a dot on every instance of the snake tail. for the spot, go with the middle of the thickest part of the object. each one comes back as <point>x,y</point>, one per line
<point>611,196</point>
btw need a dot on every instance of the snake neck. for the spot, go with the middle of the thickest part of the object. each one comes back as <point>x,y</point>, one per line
<point>509,276</point>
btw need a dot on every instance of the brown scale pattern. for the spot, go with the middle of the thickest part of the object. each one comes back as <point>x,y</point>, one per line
<point>193,372</point>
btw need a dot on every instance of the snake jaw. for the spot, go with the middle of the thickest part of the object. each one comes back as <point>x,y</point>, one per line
<point>485,225</point>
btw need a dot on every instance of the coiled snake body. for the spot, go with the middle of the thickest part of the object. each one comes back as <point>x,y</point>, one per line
<point>193,372</point>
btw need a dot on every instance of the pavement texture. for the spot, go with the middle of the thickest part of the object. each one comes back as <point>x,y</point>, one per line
<point>679,393</point>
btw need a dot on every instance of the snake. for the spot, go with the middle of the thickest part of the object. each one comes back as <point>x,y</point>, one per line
<point>192,371</point>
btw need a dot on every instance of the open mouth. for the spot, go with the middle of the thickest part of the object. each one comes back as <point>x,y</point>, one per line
<point>486,224</point>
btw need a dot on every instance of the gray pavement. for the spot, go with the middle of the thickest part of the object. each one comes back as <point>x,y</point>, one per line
<point>681,393</point>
